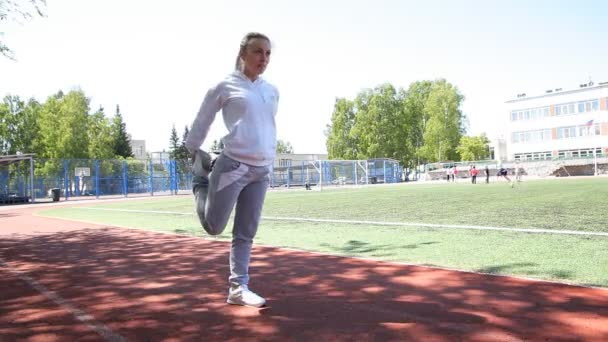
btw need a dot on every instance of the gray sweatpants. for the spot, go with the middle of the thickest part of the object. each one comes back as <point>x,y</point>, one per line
<point>232,182</point>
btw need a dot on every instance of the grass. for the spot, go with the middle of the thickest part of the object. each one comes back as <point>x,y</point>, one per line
<point>568,204</point>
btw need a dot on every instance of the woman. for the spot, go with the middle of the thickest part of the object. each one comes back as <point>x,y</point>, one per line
<point>240,173</point>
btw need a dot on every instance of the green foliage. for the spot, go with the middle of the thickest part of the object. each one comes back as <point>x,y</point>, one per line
<point>217,146</point>
<point>414,102</point>
<point>422,122</point>
<point>100,136</point>
<point>177,149</point>
<point>173,143</point>
<point>183,153</point>
<point>474,148</point>
<point>340,143</point>
<point>137,168</point>
<point>284,147</point>
<point>64,122</point>
<point>18,125</point>
<point>445,121</point>
<point>121,140</point>
<point>62,128</point>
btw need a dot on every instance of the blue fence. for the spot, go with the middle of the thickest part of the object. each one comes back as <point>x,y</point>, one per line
<point>77,178</point>
<point>336,172</point>
<point>80,178</point>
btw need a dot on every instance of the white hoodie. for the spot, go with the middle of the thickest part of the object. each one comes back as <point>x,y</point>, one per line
<point>249,109</point>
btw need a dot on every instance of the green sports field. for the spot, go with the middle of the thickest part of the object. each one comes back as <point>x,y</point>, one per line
<point>530,230</point>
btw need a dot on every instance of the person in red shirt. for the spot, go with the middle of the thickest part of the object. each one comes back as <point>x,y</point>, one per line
<point>474,175</point>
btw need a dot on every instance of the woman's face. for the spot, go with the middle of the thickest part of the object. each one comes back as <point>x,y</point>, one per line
<point>256,57</point>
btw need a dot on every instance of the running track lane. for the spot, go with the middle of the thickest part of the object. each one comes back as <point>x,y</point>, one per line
<point>147,286</point>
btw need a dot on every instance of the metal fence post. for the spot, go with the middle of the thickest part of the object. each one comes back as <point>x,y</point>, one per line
<point>66,175</point>
<point>96,178</point>
<point>125,186</point>
<point>288,173</point>
<point>151,179</point>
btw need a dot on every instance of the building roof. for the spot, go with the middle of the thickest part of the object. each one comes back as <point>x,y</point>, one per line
<point>559,91</point>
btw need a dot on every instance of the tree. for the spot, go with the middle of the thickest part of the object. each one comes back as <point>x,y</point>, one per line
<point>121,140</point>
<point>217,146</point>
<point>17,10</point>
<point>374,125</point>
<point>18,125</point>
<point>421,123</point>
<point>100,136</point>
<point>414,103</point>
<point>284,147</point>
<point>182,152</point>
<point>474,148</point>
<point>173,143</point>
<point>5,122</point>
<point>63,124</point>
<point>445,124</point>
<point>340,143</point>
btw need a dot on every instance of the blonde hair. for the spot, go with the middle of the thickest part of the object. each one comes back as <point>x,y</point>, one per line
<point>244,42</point>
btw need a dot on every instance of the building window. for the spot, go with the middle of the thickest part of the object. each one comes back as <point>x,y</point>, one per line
<point>571,108</point>
<point>581,107</point>
<point>558,110</point>
<point>595,105</point>
<point>513,116</point>
<point>566,132</point>
<point>531,136</point>
<point>597,129</point>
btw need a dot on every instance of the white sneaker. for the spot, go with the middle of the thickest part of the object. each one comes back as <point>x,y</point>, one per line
<point>241,295</point>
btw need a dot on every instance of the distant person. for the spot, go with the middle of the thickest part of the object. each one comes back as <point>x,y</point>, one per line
<point>474,175</point>
<point>518,173</point>
<point>487,170</point>
<point>455,174</point>
<point>502,172</point>
<point>239,175</point>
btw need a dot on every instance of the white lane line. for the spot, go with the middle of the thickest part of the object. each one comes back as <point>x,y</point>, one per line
<point>371,259</point>
<point>100,328</point>
<point>378,223</point>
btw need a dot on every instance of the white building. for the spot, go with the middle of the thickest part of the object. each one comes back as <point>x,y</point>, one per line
<point>138,147</point>
<point>296,159</point>
<point>560,123</point>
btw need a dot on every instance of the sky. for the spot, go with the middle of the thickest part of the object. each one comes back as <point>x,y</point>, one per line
<point>156,59</point>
